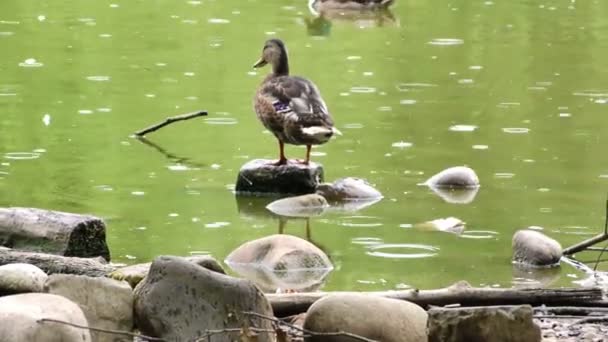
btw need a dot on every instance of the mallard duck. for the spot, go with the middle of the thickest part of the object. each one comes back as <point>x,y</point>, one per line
<point>320,6</point>
<point>290,107</point>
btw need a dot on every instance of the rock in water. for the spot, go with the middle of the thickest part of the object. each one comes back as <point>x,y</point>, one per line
<point>53,232</point>
<point>299,206</point>
<point>106,303</point>
<point>454,177</point>
<point>180,301</point>
<point>376,318</point>
<point>481,324</point>
<point>20,315</point>
<point>21,278</point>
<point>259,176</point>
<point>281,262</point>
<point>535,248</point>
<point>348,189</point>
<point>133,274</point>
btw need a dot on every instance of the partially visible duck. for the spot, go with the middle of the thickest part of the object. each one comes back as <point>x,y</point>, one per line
<point>290,107</point>
<point>320,6</point>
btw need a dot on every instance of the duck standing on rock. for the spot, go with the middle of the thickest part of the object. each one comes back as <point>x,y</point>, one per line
<point>290,107</point>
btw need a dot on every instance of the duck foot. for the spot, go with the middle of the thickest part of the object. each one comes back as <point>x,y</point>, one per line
<point>279,162</point>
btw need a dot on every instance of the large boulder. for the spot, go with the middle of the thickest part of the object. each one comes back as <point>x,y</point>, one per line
<point>299,206</point>
<point>534,248</point>
<point>481,324</point>
<point>376,318</point>
<point>280,261</point>
<point>260,176</point>
<point>55,232</point>
<point>133,274</point>
<point>21,278</point>
<point>106,303</point>
<point>20,317</point>
<point>181,301</point>
<point>454,177</point>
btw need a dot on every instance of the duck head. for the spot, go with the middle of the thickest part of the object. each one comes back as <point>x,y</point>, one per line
<point>275,54</point>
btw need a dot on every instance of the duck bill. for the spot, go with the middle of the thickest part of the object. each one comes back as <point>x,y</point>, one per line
<point>259,63</point>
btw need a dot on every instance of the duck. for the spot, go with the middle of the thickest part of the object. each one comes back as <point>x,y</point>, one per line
<point>290,107</point>
<point>318,7</point>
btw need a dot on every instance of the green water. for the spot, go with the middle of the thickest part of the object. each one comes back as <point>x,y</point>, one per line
<point>77,78</point>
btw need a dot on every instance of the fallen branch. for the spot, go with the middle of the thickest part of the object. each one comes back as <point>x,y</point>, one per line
<point>570,310</point>
<point>106,331</point>
<point>51,263</point>
<point>286,304</point>
<point>210,332</point>
<point>589,242</point>
<point>600,319</point>
<point>170,120</point>
<point>306,331</point>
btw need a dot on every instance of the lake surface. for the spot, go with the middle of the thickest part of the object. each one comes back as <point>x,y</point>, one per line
<point>517,90</point>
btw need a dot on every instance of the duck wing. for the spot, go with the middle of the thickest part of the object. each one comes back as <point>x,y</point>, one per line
<point>298,99</point>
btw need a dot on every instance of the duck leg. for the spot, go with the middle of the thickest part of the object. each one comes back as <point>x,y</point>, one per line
<point>282,160</point>
<point>307,160</point>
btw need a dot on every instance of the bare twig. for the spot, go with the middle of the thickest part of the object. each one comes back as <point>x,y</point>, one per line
<point>309,332</point>
<point>170,120</point>
<point>106,331</point>
<point>589,242</point>
<point>211,332</point>
<point>598,319</point>
<point>570,310</point>
<point>597,262</point>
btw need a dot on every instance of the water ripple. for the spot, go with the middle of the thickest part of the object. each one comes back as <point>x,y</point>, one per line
<point>479,234</point>
<point>221,121</point>
<point>21,155</point>
<point>366,241</point>
<point>446,41</point>
<point>417,251</point>
<point>30,63</point>
<point>462,128</point>
<point>516,130</point>
<point>363,90</point>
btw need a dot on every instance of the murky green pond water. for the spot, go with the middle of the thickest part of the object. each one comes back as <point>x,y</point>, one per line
<point>517,90</point>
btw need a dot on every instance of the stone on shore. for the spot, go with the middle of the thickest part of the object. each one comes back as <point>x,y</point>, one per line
<point>106,303</point>
<point>377,318</point>
<point>454,177</point>
<point>21,278</point>
<point>261,177</point>
<point>133,274</point>
<point>348,189</point>
<point>280,261</point>
<point>180,301</point>
<point>481,324</point>
<point>534,248</point>
<point>299,206</point>
<point>54,232</point>
<point>20,315</point>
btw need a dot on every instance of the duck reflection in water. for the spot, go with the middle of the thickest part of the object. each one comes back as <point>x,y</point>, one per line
<point>363,13</point>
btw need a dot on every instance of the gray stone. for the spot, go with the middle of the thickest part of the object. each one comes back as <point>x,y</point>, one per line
<point>54,232</point>
<point>282,262</point>
<point>534,248</point>
<point>377,318</point>
<point>180,301</point>
<point>261,177</point>
<point>348,188</point>
<point>21,278</point>
<point>482,324</point>
<point>133,274</point>
<point>106,303</point>
<point>454,177</point>
<point>299,206</point>
<point>20,315</point>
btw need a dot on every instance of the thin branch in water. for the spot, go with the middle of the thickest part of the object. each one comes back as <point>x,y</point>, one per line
<point>106,331</point>
<point>174,158</point>
<point>170,120</point>
<point>588,320</point>
<point>309,332</point>
<point>597,262</point>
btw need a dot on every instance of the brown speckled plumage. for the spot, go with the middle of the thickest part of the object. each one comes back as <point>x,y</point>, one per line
<point>290,107</point>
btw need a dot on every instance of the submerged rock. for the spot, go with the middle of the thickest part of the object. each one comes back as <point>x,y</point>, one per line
<point>299,206</point>
<point>449,224</point>
<point>348,188</point>
<point>377,318</point>
<point>55,232</point>
<point>454,177</point>
<point>534,248</point>
<point>260,176</point>
<point>20,317</point>
<point>106,303</point>
<point>133,274</point>
<point>181,301</point>
<point>281,262</point>
<point>481,324</point>
<point>21,278</point>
